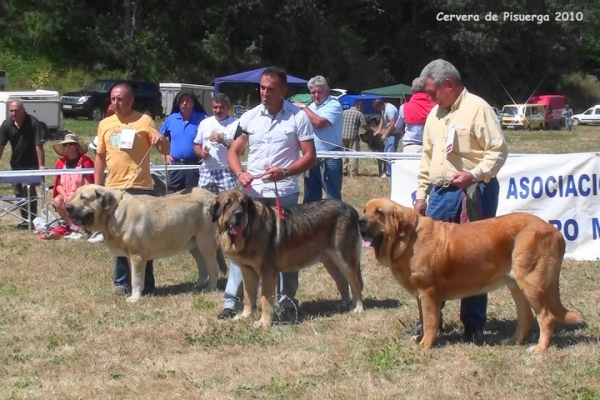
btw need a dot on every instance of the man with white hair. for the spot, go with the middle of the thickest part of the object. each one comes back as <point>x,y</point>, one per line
<point>326,115</point>
<point>412,116</point>
<point>463,150</point>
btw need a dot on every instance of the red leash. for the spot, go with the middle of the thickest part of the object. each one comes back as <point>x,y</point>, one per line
<point>277,202</point>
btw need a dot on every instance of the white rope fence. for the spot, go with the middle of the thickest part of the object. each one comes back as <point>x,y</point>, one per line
<point>161,168</point>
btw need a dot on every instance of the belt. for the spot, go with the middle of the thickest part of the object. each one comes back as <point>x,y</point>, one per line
<point>413,143</point>
<point>185,161</point>
<point>443,187</point>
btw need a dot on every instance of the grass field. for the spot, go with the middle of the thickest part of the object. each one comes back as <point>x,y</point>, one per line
<point>64,335</point>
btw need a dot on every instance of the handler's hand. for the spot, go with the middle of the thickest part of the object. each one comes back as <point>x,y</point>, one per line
<point>298,104</point>
<point>169,159</point>
<point>245,178</point>
<point>156,139</point>
<point>274,174</point>
<point>201,151</point>
<point>420,206</point>
<point>462,179</point>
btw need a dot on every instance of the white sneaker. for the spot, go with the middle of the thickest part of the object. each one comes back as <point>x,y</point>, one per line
<point>97,237</point>
<point>74,236</point>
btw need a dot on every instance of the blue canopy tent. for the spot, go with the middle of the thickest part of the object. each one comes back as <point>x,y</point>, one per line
<point>252,76</point>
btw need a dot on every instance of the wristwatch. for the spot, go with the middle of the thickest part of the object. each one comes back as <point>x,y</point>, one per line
<point>285,173</point>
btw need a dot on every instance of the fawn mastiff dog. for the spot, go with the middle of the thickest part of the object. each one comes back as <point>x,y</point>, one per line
<point>253,236</point>
<point>143,228</point>
<point>437,261</point>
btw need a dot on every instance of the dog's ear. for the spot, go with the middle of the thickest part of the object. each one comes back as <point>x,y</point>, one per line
<point>215,209</point>
<point>250,207</point>
<point>398,221</point>
<point>106,198</point>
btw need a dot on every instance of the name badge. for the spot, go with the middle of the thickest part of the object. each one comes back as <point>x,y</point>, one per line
<point>126,139</point>
<point>450,139</point>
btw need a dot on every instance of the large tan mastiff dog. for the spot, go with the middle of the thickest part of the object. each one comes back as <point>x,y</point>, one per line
<point>437,261</point>
<point>144,228</point>
<point>254,237</point>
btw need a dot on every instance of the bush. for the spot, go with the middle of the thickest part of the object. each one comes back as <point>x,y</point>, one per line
<point>582,91</point>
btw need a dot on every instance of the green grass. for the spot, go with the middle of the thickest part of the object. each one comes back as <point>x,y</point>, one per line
<point>63,334</point>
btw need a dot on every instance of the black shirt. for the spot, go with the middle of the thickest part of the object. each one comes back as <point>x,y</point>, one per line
<point>23,141</point>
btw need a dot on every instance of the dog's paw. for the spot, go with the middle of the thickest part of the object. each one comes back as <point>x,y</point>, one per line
<point>535,349</point>
<point>262,324</point>
<point>132,299</point>
<point>358,309</point>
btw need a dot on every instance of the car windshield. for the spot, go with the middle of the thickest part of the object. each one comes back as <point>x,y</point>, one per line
<point>98,86</point>
<point>510,110</point>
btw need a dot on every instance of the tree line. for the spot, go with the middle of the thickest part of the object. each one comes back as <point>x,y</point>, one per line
<point>356,44</point>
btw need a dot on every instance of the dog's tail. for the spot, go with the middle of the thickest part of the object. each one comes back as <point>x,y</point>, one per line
<point>571,317</point>
<point>221,261</point>
<point>561,313</point>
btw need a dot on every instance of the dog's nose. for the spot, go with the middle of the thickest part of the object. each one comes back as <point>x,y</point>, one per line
<point>362,221</point>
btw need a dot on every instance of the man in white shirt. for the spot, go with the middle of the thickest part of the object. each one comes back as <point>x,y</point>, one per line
<point>215,135</point>
<point>281,147</point>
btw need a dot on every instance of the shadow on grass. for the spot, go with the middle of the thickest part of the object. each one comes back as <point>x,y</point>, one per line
<point>497,332</point>
<point>326,308</point>
<point>185,287</point>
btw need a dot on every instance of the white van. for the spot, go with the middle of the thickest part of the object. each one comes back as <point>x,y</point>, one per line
<point>589,116</point>
<point>204,93</point>
<point>523,116</point>
<point>42,104</point>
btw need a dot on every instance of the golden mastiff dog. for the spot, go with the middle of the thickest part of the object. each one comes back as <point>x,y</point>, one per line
<point>252,235</point>
<point>437,261</point>
<point>144,228</point>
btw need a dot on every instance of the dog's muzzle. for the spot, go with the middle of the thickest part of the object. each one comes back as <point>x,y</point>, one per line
<point>79,216</point>
<point>235,223</point>
<point>365,232</point>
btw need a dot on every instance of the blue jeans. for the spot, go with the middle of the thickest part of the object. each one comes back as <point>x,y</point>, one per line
<point>390,146</point>
<point>326,175</point>
<point>445,204</point>
<point>180,179</point>
<point>287,285</point>
<point>122,270</point>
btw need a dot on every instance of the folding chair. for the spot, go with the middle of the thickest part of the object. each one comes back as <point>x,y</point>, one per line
<point>13,204</point>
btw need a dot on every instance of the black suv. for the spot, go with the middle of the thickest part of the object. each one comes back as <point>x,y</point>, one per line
<point>93,100</point>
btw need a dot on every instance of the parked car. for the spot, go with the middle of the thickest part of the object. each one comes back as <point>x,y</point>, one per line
<point>92,101</point>
<point>372,116</point>
<point>337,93</point>
<point>555,109</point>
<point>589,116</point>
<point>523,116</point>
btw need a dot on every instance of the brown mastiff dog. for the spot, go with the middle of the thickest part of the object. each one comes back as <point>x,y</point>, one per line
<point>254,237</point>
<point>437,261</point>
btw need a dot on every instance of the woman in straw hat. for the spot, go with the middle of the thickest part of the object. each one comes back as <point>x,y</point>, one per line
<point>73,155</point>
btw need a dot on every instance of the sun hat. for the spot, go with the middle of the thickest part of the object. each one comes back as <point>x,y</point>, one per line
<point>94,144</point>
<point>70,138</point>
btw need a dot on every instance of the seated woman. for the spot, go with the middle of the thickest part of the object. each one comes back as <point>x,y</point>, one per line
<point>73,155</point>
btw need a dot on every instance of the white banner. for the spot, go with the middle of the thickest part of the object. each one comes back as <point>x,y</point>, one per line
<point>563,189</point>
